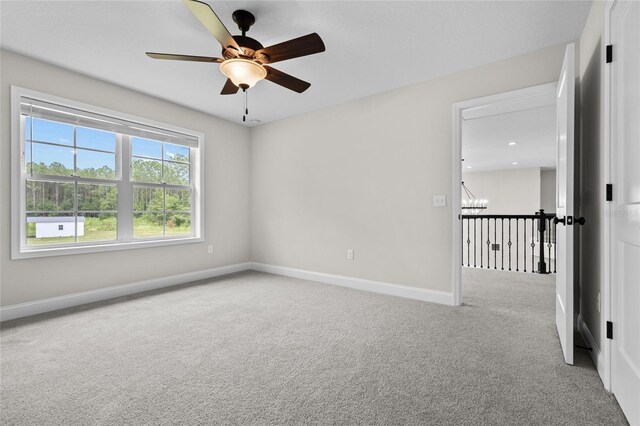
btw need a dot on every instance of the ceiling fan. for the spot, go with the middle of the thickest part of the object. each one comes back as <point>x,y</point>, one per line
<point>244,59</point>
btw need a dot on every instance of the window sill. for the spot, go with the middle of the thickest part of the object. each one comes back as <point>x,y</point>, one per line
<point>30,253</point>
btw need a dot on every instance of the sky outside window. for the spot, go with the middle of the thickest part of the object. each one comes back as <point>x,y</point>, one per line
<point>59,160</point>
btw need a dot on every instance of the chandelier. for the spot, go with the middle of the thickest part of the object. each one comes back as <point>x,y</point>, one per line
<point>472,205</point>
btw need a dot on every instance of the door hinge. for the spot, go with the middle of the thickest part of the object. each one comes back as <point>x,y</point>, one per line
<point>609,330</point>
<point>609,53</point>
<point>609,192</point>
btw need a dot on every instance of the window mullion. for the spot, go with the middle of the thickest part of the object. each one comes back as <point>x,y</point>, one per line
<point>125,188</point>
<point>75,186</point>
<point>164,208</point>
<point>195,198</point>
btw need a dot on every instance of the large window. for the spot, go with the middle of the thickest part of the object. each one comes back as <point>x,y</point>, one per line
<point>92,180</point>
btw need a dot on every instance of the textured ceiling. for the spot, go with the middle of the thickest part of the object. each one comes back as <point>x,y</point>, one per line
<point>485,141</point>
<point>372,46</point>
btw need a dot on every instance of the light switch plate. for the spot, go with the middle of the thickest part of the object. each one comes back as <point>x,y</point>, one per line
<point>439,201</point>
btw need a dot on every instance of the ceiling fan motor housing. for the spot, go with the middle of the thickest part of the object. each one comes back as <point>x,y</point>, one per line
<point>249,46</point>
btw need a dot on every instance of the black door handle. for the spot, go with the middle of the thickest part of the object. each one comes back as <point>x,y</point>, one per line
<point>579,221</point>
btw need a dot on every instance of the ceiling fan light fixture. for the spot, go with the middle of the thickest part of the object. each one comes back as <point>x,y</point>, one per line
<point>243,72</point>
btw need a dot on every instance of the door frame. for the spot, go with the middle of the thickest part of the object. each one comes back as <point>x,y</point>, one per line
<point>607,227</point>
<point>514,100</point>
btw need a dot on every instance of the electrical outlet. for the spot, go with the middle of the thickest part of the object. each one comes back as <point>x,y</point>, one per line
<point>210,249</point>
<point>598,302</point>
<point>350,254</point>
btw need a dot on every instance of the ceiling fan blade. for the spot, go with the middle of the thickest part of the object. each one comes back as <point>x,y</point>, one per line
<point>229,88</point>
<point>177,57</point>
<point>210,20</point>
<point>295,48</point>
<point>286,80</point>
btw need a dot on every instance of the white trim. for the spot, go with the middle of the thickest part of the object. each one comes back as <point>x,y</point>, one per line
<point>487,105</point>
<point>17,183</point>
<point>456,204</point>
<point>18,242</point>
<point>104,247</point>
<point>407,292</point>
<point>596,354</point>
<point>75,299</point>
<point>607,223</point>
<point>102,111</point>
<point>528,100</point>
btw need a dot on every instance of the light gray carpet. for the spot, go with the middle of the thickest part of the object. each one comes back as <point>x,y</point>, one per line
<point>254,348</point>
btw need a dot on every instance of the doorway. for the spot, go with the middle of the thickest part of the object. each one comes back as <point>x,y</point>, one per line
<point>504,183</point>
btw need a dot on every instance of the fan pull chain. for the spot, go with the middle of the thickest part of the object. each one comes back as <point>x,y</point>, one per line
<point>246,106</point>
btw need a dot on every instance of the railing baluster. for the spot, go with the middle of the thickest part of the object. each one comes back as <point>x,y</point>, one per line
<point>533,246</point>
<point>461,239</point>
<point>481,242</point>
<point>549,243</point>
<point>517,245</point>
<point>495,241</point>
<point>474,242</point>
<point>555,247</point>
<point>509,243</point>
<point>468,243</point>
<point>524,245</point>
<point>488,244</point>
<point>502,244</point>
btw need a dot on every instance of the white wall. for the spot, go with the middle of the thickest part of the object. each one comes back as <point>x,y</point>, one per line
<point>226,166</point>
<point>514,191</point>
<point>362,175</point>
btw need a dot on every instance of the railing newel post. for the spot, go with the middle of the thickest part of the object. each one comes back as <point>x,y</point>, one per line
<point>542,266</point>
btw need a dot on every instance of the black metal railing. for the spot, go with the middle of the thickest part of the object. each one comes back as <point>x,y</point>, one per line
<point>530,241</point>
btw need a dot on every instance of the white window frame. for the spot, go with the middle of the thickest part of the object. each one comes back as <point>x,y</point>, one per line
<point>19,249</point>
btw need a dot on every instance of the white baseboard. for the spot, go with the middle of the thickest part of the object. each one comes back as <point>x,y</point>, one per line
<point>67,301</point>
<point>75,299</point>
<point>434,296</point>
<point>596,355</point>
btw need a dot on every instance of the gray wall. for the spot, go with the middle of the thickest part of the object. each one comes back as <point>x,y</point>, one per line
<point>356,176</point>
<point>548,190</point>
<point>226,181</point>
<point>591,168</point>
<point>508,191</point>
<point>361,176</point>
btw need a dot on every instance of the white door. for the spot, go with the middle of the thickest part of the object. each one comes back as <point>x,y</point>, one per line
<point>564,203</point>
<point>625,173</point>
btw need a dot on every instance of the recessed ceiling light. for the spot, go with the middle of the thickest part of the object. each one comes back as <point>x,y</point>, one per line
<point>515,163</point>
<point>469,167</point>
<point>512,143</point>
